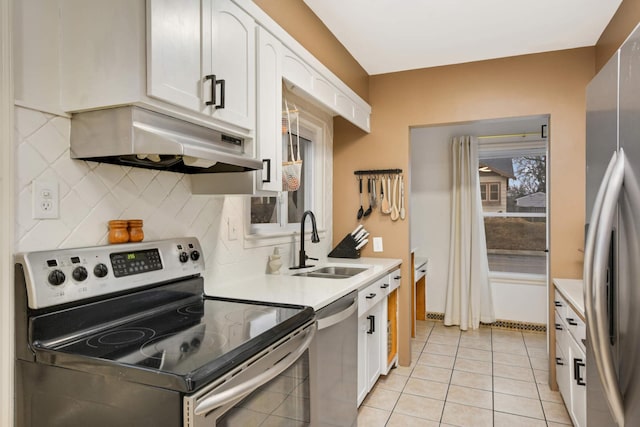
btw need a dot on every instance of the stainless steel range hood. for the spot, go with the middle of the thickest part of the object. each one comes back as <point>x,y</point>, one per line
<point>133,136</point>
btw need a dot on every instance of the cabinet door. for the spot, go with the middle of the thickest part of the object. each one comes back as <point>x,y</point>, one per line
<point>174,52</point>
<point>563,373</point>
<point>269,120</point>
<point>229,55</point>
<point>578,384</point>
<point>374,338</point>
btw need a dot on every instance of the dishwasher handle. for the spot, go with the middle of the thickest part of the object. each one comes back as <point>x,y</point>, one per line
<point>216,400</point>
<point>334,319</point>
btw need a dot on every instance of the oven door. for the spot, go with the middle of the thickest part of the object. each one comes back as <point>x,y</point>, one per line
<point>272,386</point>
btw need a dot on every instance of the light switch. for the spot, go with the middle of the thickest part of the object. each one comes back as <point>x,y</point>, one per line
<point>377,244</point>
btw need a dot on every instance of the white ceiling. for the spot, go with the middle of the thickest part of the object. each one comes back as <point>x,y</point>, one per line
<point>394,35</point>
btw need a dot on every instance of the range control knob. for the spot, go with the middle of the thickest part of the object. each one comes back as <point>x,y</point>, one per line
<point>56,278</point>
<point>79,274</point>
<point>184,257</point>
<point>100,270</point>
<point>195,255</point>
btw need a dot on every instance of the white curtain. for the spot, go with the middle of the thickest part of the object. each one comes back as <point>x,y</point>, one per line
<point>469,300</point>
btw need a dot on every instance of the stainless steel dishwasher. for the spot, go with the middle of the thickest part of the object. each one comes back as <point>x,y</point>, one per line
<point>333,364</point>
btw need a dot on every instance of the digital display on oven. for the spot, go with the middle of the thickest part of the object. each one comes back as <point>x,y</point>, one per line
<point>136,262</point>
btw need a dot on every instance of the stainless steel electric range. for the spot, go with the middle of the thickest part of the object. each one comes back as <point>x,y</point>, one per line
<point>123,335</point>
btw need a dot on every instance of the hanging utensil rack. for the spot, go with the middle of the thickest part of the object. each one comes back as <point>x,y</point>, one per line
<point>377,172</point>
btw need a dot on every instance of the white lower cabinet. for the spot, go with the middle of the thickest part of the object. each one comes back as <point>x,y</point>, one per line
<point>571,364</point>
<point>370,339</point>
<point>373,333</point>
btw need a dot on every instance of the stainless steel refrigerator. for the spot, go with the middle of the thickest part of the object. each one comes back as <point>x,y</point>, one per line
<point>612,248</point>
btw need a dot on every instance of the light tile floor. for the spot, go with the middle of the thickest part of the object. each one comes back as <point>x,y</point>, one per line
<point>486,377</point>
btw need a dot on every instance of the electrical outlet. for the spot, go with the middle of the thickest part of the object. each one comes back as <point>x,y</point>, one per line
<point>46,200</point>
<point>377,244</point>
<point>232,229</point>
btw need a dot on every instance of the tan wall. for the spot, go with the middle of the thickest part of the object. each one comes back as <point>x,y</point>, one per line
<point>299,21</point>
<point>623,22</point>
<point>549,83</point>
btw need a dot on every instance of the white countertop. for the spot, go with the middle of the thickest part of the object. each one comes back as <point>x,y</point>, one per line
<point>572,291</point>
<point>310,291</point>
<point>420,262</point>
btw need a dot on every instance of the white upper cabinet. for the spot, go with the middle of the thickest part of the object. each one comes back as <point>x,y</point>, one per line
<point>318,86</point>
<point>229,55</point>
<point>269,101</point>
<point>174,52</point>
<point>161,55</point>
<point>191,59</point>
<point>201,57</point>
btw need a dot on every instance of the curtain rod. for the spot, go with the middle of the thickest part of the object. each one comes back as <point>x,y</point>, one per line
<point>541,134</point>
<point>510,135</point>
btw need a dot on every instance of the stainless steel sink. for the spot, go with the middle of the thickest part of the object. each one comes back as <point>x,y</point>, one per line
<point>332,272</point>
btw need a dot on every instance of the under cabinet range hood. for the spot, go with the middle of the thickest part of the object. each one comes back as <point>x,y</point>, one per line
<point>133,136</point>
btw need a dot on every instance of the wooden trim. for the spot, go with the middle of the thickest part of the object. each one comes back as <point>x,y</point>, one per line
<point>413,295</point>
<point>7,214</point>
<point>421,298</point>
<point>392,315</point>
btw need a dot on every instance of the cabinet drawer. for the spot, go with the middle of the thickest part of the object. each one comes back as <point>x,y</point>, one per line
<point>394,280</point>
<point>560,304</point>
<point>562,332</point>
<point>576,327</point>
<point>371,295</point>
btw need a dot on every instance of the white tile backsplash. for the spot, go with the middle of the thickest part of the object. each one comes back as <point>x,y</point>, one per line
<point>92,193</point>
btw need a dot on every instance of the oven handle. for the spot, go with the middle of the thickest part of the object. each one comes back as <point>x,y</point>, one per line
<point>241,390</point>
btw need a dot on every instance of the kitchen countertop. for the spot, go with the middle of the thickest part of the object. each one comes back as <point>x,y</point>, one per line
<point>310,291</point>
<point>572,290</point>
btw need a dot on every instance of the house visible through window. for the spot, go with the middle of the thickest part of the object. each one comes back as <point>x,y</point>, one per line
<point>513,187</point>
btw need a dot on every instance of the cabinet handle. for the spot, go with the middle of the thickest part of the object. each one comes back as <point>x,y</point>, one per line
<point>558,303</point>
<point>266,163</point>
<point>558,327</point>
<point>215,83</point>
<point>398,277</point>
<point>559,361</point>
<point>384,286</point>
<point>571,321</point>
<point>371,295</point>
<point>577,364</point>
<point>223,90</point>
<point>372,324</point>
<point>423,271</point>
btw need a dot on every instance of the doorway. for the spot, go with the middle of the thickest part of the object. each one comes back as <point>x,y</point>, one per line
<point>513,159</point>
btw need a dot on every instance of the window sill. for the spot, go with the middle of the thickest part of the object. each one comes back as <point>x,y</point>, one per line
<point>272,239</point>
<point>518,278</point>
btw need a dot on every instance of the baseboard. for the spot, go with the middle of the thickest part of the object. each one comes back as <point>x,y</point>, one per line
<point>502,324</point>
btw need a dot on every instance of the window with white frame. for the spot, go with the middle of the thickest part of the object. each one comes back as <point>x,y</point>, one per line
<point>283,211</point>
<point>273,217</point>
<point>490,192</point>
<point>515,228</point>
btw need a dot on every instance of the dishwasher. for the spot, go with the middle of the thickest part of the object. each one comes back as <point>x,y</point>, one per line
<point>333,364</point>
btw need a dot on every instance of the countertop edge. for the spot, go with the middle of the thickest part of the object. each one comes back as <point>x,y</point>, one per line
<point>313,292</point>
<point>573,291</point>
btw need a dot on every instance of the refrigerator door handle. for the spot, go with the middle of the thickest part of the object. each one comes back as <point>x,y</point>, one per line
<point>596,297</point>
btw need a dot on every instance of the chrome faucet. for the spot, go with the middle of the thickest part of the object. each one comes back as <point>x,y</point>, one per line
<point>314,239</point>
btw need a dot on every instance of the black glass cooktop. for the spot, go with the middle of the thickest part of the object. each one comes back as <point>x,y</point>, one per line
<point>185,339</point>
<point>193,343</point>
